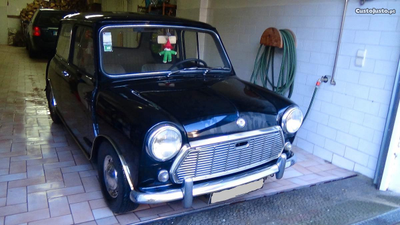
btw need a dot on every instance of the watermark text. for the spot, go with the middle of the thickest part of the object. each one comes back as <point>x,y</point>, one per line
<point>374,11</point>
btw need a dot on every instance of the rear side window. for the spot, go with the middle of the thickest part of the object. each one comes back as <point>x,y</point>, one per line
<point>49,19</point>
<point>83,50</point>
<point>64,40</point>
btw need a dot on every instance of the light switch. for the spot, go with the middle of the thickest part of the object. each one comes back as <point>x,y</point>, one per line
<point>360,62</point>
<point>360,57</point>
<point>362,53</point>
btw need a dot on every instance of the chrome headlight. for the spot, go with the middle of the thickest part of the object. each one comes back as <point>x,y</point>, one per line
<point>164,143</point>
<point>292,120</point>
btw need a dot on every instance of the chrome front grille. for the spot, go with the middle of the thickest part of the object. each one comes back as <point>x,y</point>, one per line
<point>230,154</point>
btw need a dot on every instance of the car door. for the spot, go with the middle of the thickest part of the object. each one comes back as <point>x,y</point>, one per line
<point>76,85</point>
<point>81,83</point>
<point>58,70</point>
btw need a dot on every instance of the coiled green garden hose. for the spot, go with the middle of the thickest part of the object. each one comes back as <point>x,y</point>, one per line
<point>265,62</point>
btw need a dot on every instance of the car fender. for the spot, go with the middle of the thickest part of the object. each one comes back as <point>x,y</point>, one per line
<point>125,167</point>
<point>126,119</point>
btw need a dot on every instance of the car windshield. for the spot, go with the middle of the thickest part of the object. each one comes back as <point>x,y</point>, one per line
<point>148,50</point>
<point>50,18</point>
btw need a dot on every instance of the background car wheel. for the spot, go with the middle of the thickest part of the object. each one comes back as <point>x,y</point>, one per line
<point>51,101</point>
<point>113,182</point>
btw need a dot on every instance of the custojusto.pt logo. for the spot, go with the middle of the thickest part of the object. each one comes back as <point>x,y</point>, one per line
<point>374,11</point>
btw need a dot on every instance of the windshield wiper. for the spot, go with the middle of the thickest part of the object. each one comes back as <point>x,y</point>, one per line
<point>206,70</point>
<point>173,72</point>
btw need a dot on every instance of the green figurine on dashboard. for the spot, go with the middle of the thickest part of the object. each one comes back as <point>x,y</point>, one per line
<point>167,52</point>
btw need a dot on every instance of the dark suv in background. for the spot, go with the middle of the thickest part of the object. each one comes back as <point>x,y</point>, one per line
<point>41,33</point>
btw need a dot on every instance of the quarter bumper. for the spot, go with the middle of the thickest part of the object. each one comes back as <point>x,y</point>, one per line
<point>190,190</point>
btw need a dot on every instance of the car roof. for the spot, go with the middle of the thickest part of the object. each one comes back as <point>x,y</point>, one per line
<point>53,10</point>
<point>125,17</point>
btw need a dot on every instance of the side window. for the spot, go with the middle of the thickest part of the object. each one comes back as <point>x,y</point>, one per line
<point>64,41</point>
<point>83,50</point>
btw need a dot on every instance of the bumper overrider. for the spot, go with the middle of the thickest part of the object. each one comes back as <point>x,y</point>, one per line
<point>190,190</point>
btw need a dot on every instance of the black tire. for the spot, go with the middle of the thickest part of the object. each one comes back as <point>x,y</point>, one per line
<point>121,202</point>
<point>52,106</point>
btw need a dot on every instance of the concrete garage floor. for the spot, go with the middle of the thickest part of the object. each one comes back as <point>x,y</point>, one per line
<point>348,201</point>
<point>45,178</point>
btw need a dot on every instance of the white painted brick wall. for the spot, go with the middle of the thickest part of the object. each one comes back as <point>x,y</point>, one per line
<point>386,67</point>
<point>361,132</point>
<point>347,139</point>
<point>345,125</point>
<point>364,170</point>
<point>366,106</point>
<point>390,39</point>
<point>306,145</point>
<point>326,131</point>
<point>317,139</point>
<point>323,153</point>
<point>368,147</point>
<point>357,156</point>
<point>343,162</point>
<point>367,37</point>
<point>352,116</point>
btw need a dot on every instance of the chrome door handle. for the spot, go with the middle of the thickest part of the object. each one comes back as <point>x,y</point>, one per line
<point>89,78</point>
<point>65,73</point>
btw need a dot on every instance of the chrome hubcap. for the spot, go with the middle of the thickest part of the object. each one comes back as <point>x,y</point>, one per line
<point>110,176</point>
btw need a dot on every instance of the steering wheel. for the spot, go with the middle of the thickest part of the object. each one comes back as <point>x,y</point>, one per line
<point>188,60</point>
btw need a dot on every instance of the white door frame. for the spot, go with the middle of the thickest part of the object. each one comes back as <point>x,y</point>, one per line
<point>392,166</point>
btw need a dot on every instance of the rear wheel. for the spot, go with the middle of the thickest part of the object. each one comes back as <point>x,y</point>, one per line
<point>113,182</point>
<point>51,101</point>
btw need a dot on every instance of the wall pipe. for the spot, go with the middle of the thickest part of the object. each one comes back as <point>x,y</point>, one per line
<point>387,132</point>
<point>333,82</point>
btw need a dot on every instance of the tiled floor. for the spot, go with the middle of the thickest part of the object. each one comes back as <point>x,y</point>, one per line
<point>45,179</point>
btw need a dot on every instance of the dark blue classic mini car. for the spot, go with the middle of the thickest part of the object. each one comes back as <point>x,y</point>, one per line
<point>155,102</point>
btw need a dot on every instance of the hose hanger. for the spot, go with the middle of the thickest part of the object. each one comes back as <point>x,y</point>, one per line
<point>263,71</point>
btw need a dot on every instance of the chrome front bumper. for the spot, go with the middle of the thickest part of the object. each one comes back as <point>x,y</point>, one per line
<point>190,190</point>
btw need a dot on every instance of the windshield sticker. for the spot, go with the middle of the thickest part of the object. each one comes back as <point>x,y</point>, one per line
<point>107,42</point>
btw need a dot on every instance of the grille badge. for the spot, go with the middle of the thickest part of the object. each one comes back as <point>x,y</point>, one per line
<point>241,122</point>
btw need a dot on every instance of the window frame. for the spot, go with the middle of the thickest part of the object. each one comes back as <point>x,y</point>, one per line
<point>183,33</point>
<point>72,50</point>
<point>69,42</point>
<point>225,58</point>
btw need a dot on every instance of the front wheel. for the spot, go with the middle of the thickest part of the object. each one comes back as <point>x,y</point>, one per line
<point>113,182</point>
